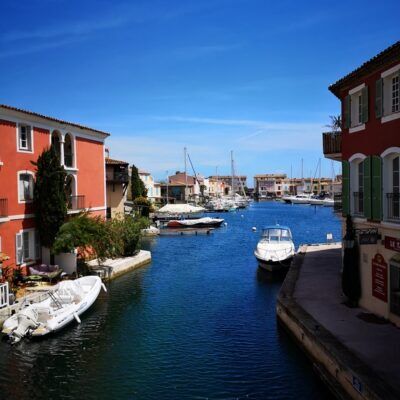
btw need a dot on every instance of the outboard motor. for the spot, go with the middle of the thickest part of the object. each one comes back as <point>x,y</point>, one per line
<point>27,321</point>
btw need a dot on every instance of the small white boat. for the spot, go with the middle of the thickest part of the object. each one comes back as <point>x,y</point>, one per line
<point>301,199</point>
<point>316,201</point>
<point>151,231</point>
<point>65,302</point>
<point>328,202</point>
<point>205,222</point>
<point>275,249</point>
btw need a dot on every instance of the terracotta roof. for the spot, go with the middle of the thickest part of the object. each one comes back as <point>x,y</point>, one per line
<point>387,56</point>
<point>60,121</point>
<point>111,161</point>
<point>141,172</point>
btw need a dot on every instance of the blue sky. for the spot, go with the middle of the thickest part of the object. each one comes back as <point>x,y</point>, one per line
<point>213,75</point>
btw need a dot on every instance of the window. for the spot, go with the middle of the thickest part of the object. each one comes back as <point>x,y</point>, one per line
<point>24,138</point>
<point>356,108</point>
<point>395,94</point>
<point>27,246</point>
<point>25,187</point>
<point>360,187</point>
<point>394,203</point>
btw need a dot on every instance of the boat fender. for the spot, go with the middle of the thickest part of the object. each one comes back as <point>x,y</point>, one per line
<point>104,287</point>
<point>78,320</point>
<point>253,228</point>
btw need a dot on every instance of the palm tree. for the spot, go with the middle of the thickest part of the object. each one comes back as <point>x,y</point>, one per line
<point>336,123</point>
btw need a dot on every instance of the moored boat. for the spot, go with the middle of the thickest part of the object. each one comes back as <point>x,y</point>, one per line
<point>205,222</point>
<point>64,303</point>
<point>275,249</point>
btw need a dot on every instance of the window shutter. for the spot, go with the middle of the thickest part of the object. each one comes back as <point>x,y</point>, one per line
<point>347,112</point>
<point>364,106</point>
<point>379,98</point>
<point>376,193</point>
<point>367,187</point>
<point>18,249</point>
<point>345,188</point>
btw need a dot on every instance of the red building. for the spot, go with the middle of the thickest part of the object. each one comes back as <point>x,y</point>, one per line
<point>369,148</point>
<point>23,136</point>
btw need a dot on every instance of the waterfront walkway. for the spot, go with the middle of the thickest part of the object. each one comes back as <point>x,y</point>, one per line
<point>366,350</point>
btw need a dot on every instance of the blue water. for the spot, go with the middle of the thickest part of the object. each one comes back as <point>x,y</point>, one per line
<point>198,323</point>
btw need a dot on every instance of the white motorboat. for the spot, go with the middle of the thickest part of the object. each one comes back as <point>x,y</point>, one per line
<point>205,222</point>
<point>328,202</point>
<point>301,199</point>
<point>151,231</point>
<point>316,201</point>
<point>65,302</point>
<point>275,249</point>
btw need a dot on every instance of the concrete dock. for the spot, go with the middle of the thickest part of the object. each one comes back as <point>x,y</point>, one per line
<point>354,352</point>
<point>112,268</point>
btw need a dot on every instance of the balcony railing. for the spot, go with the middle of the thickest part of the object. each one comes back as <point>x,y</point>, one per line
<point>393,206</point>
<point>358,203</point>
<point>332,143</point>
<point>3,208</point>
<point>337,203</point>
<point>76,203</point>
<point>118,177</point>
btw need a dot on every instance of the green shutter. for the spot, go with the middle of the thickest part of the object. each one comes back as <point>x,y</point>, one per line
<point>379,98</point>
<point>376,188</point>
<point>367,187</point>
<point>345,188</point>
<point>364,106</point>
<point>347,112</point>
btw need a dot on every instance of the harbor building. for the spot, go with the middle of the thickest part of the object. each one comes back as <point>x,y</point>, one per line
<point>181,188</point>
<point>153,188</point>
<point>24,136</point>
<point>270,185</point>
<point>239,181</point>
<point>117,180</point>
<point>369,148</point>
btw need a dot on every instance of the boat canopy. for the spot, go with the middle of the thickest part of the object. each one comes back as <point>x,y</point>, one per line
<point>277,233</point>
<point>180,209</point>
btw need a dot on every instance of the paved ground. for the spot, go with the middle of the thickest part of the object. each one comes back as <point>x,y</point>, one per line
<point>318,291</point>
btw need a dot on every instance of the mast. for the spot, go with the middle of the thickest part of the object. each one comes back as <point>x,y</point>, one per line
<point>167,188</point>
<point>232,177</point>
<point>186,181</point>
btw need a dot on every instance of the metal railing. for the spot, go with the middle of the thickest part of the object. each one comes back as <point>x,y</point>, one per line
<point>393,206</point>
<point>3,208</point>
<point>4,295</point>
<point>358,203</point>
<point>76,202</point>
<point>332,142</point>
<point>337,202</point>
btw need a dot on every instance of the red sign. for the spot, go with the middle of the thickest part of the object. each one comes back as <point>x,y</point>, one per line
<point>379,278</point>
<point>392,243</point>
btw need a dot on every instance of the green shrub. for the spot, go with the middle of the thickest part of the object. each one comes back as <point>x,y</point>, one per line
<point>143,206</point>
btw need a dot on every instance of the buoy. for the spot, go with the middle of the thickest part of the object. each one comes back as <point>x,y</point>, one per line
<point>253,228</point>
<point>225,224</point>
<point>242,216</point>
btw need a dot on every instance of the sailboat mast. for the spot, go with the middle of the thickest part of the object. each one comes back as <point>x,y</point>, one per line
<point>186,181</point>
<point>232,177</point>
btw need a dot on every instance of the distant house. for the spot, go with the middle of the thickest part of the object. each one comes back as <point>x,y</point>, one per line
<point>117,179</point>
<point>269,185</point>
<point>239,181</point>
<point>153,188</point>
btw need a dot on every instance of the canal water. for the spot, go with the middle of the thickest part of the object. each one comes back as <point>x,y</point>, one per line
<point>198,323</point>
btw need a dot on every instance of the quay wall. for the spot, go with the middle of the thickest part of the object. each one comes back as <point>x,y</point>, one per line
<point>345,374</point>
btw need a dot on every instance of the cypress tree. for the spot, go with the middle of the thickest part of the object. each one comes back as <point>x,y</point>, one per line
<point>49,196</point>
<point>138,189</point>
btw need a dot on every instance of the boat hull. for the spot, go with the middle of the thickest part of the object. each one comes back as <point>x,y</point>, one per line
<point>274,266</point>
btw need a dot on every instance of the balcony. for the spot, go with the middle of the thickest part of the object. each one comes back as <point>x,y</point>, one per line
<point>358,209</point>
<point>118,177</point>
<point>393,206</point>
<point>3,209</point>
<point>332,145</point>
<point>76,203</point>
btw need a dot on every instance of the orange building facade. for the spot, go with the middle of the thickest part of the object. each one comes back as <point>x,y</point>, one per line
<point>23,137</point>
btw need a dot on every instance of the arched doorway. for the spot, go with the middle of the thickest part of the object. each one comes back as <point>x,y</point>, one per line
<point>56,143</point>
<point>68,151</point>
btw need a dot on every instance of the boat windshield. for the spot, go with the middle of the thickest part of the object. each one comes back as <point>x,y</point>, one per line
<point>276,235</point>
